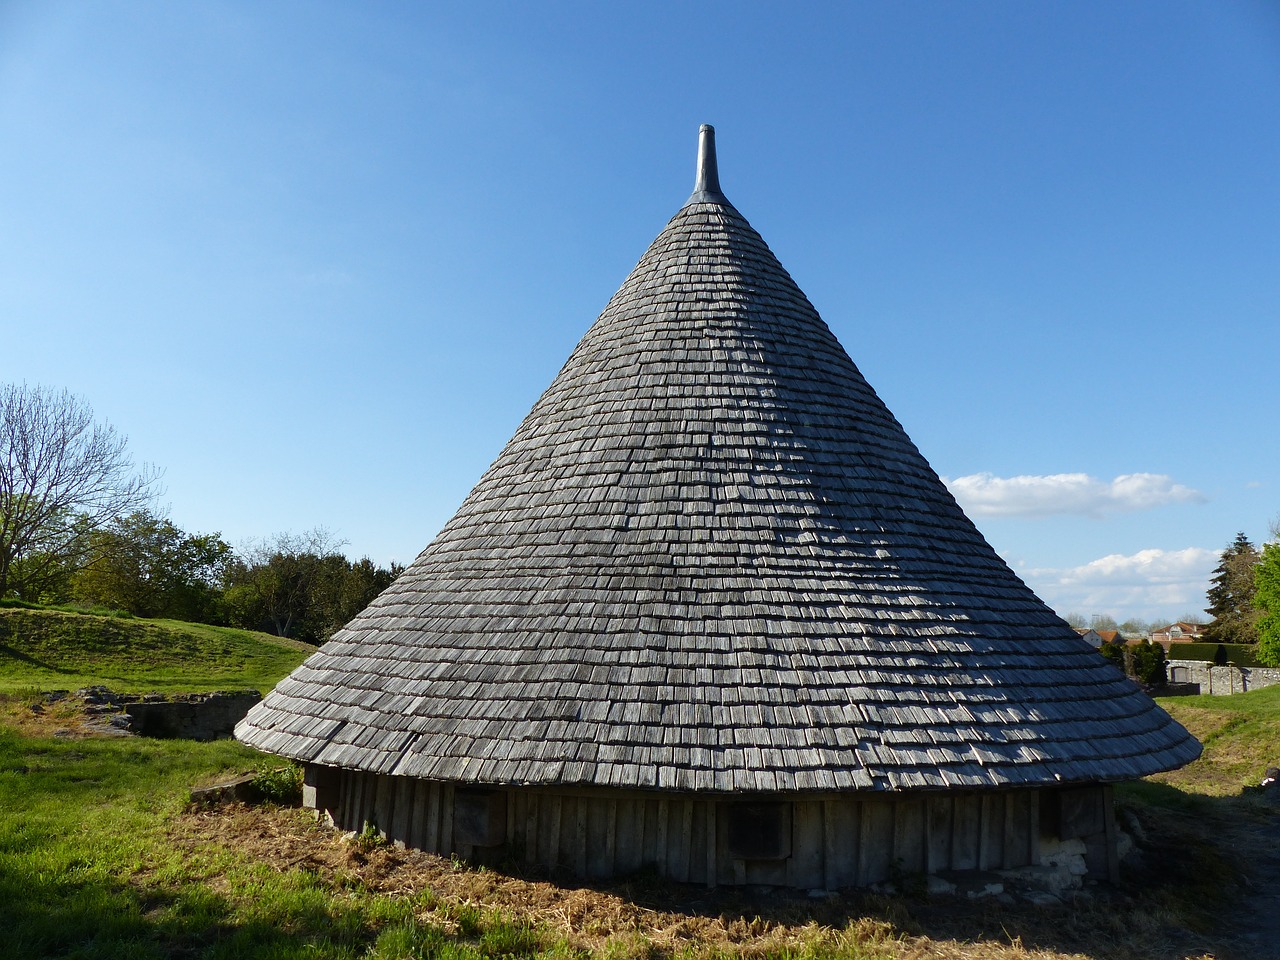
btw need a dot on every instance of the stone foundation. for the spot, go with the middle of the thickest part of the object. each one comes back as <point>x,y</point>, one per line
<point>188,716</point>
<point>193,716</point>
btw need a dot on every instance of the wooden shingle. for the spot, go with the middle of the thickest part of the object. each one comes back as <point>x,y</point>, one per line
<point>711,560</point>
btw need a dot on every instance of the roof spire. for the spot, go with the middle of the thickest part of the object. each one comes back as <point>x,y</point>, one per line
<point>706,188</point>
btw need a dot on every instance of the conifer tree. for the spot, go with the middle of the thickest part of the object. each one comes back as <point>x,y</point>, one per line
<point>1230,596</point>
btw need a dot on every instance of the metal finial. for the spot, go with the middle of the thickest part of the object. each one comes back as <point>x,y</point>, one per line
<point>706,188</point>
<point>708,180</point>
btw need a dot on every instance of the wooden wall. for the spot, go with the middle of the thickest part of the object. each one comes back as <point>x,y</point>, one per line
<point>836,840</point>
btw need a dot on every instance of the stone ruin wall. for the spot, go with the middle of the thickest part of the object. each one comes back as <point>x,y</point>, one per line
<point>190,716</point>
<point>1218,680</point>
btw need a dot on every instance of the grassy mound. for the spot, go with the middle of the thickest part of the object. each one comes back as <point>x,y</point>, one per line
<point>1240,735</point>
<point>51,649</point>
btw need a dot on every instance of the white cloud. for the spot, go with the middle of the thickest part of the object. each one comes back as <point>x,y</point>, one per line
<point>1149,583</point>
<point>986,495</point>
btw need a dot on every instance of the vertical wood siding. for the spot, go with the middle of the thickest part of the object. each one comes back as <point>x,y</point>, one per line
<point>837,840</point>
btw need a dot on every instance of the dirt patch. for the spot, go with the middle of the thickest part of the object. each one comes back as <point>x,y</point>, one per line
<point>588,918</point>
<point>52,714</point>
<point>646,917</point>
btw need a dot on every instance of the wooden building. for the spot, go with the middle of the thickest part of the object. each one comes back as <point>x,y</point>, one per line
<point>710,612</point>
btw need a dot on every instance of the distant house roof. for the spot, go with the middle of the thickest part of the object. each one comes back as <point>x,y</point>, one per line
<point>710,559</point>
<point>1090,636</point>
<point>1182,627</point>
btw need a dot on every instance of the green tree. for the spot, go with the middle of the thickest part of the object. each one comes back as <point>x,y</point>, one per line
<point>1145,662</point>
<point>1149,664</point>
<point>43,572</point>
<point>1230,595</point>
<point>272,585</point>
<point>62,476</point>
<point>1266,597</point>
<point>301,586</point>
<point>347,588</point>
<point>145,564</point>
<point>1115,653</point>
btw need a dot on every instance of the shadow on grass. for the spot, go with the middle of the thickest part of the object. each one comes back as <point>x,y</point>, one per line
<point>60,899</point>
<point>1164,908</point>
<point>7,651</point>
<point>45,917</point>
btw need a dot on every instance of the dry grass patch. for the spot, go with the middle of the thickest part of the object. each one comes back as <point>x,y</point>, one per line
<point>95,849</point>
<point>30,714</point>
<point>1241,739</point>
<point>648,919</point>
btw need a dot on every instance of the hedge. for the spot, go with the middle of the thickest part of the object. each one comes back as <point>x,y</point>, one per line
<point>1241,654</point>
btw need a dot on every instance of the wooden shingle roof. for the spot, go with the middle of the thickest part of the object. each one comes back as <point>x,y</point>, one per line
<point>710,559</point>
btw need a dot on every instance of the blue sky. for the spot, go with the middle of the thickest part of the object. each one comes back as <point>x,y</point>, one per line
<point>318,260</point>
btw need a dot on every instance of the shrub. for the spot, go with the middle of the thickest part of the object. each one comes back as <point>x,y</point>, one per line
<point>279,784</point>
<point>1149,665</point>
<point>1115,653</point>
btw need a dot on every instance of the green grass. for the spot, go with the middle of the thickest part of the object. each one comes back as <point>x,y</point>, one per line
<point>1240,735</point>
<point>78,822</point>
<point>66,608</point>
<point>90,868</point>
<point>87,871</point>
<point>53,649</point>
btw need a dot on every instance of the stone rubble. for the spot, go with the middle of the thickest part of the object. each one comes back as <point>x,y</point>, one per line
<point>191,716</point>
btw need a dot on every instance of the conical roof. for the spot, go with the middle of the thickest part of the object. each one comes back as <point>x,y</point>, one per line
<point>710,559</point>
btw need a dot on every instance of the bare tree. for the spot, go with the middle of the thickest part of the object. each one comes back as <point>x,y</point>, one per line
<point>1136,627</point>
<point>62,476</point>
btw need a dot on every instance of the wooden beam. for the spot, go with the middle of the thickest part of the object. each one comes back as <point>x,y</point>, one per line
<point>610,838</point>
<point>446,819</point>
<point>580,837</point>
<point>966,832</point>
<point>418,804</point>
<point>875,842</point>
<point>434,842</point>
<point>938,810</point>
<point>713,842</point>
<point>398,828</point>
<point>554,808</point>
<point>1109,829</point>
<point>686,840</point>
<point>531,828</point>
<point>661,850</point>
<point>830,852</point>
